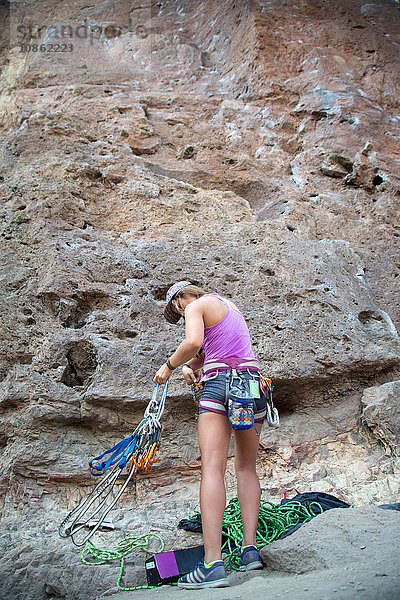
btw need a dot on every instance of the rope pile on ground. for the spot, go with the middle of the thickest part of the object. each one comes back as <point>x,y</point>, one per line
<point>133,454</point>
<point>273,521</point>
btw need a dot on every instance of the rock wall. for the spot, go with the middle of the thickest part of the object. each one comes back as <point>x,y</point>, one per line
<point>251,147</point>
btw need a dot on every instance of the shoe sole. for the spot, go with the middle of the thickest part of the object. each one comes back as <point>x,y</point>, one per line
<point>252,566</point>
<point>204,584</point>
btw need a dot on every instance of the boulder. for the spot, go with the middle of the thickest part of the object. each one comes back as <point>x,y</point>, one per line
<point>337,537</point>
<point>381,414</point>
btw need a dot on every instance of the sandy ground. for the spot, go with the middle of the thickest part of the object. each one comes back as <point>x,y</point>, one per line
<point>358,549</point>
<point>368,581</point>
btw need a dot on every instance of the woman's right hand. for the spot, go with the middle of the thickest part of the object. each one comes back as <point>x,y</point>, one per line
<point>189,375</point>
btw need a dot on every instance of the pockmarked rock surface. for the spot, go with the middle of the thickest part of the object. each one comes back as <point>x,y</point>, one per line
<point>381,413</point>
<point>338,537</point>
<point>250,147</point>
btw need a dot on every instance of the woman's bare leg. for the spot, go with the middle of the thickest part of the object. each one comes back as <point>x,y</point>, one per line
<point>214,433</point>
<point>248,484</point>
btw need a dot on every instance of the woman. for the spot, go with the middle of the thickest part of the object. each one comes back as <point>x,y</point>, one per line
<point>218,341</point>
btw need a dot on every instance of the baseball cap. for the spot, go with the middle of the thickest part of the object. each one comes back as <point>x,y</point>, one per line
<point>169,314</point>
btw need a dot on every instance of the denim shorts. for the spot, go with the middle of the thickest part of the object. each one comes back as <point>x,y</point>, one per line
<point>214,398</point>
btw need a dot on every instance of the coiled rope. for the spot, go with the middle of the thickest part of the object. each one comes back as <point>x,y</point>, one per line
<point>273,521</point>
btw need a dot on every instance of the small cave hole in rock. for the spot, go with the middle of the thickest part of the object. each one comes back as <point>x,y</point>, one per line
<point>188,152</point>
<point>369,316</point>
<point>159,293</point>
<point>206,60</point>
<point>123,335</point>
<point>93,174</point>
<point>82,363</point>
<point>377,180</point>
<point>86,303</point>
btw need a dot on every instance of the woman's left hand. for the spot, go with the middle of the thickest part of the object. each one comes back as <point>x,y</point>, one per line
<point>162,374</point>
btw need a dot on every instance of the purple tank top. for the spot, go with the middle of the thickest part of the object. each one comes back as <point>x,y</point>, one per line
<point>229,340</point>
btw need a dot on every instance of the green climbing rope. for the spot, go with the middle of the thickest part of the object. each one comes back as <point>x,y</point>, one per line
<point>122,549</point>
<point>273,521</point>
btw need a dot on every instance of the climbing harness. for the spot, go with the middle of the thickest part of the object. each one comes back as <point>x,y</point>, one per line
<point>240,409</point>
<point>136,452</point>
<point>248,363</point>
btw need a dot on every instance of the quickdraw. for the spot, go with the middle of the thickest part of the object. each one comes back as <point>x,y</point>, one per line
<point>272,412</point>
<point>138,451</point>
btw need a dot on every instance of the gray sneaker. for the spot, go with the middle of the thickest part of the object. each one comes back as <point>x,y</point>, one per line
<point>201,577</point>
<point>249,559</point>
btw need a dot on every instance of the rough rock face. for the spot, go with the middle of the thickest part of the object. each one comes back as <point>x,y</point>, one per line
<point>337,537</point>
<point>381,414</point>
<point>251,147</point>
